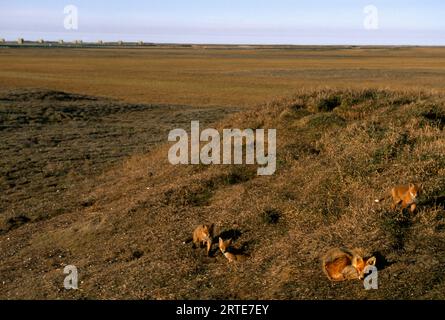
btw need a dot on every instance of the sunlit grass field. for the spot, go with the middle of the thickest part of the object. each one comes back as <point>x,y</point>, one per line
<point>219,76</point>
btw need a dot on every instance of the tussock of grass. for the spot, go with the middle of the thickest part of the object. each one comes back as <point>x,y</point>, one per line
<point>271,216</point>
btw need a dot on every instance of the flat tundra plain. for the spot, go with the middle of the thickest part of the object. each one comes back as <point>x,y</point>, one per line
<point>225,76</point>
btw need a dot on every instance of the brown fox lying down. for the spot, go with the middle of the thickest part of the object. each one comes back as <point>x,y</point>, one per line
<point>341,264</point>
<point>203,235</point>
<point>404,195</point>
<point>229,252</point>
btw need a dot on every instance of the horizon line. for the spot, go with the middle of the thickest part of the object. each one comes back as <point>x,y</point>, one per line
<point>99,42</point>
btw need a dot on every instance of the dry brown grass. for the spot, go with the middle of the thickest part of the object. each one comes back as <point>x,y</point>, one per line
<point>219,76</point>
<point>54,144</point>
<point>337,151</point>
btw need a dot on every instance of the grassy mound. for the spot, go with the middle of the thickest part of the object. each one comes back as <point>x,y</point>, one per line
<point>337,152</point>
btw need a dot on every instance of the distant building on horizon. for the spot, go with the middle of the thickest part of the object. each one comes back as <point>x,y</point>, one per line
<point>40,41</point>
<point>20,41</point>
<point>61,41</point>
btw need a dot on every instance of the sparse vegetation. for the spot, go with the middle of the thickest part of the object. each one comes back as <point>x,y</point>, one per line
<point>54,144</point>
<point>321,196</point>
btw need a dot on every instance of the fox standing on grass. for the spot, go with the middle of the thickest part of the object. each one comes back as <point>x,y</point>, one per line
<point>203,235</point>
<point>341,264</point>
<point>230,252</point>
<point>404,195</point>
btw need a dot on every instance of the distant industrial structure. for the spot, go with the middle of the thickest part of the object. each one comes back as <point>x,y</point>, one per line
<point>78,42</point>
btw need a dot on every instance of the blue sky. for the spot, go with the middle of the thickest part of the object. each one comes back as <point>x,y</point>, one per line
<point>228,21</point>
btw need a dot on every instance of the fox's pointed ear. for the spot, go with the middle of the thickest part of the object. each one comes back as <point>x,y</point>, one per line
<point>220,240</point>
<point>229,242</point>
<point>371,261</point>
<point>411,186</point>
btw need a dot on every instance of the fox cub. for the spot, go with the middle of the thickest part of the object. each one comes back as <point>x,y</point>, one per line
<point>203,235</point>
<point>403,195</point>
<point>341,264</point>
<point>230,252</point>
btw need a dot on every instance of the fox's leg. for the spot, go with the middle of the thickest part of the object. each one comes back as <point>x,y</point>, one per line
<point>395,203</point>
<point>209,245</point>
<point>195,241</point>
<point>403,206</point>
